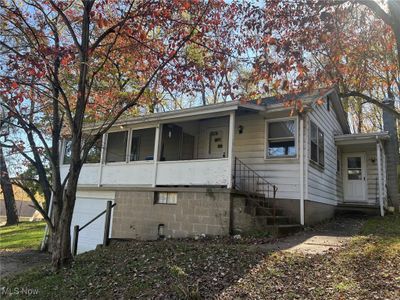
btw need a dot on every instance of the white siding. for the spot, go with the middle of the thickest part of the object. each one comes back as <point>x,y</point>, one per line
<point>250,148</point>
<point>324,184</point>
<point>372,177</point>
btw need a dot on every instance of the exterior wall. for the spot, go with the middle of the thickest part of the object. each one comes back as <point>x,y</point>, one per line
<point>314,212</point>
<point>324,184</point>
<point>250,148</point>
<point>137,217</point>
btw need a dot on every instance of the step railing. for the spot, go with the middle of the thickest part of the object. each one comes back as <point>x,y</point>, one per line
<point>107,224</point>
<point>256,187</point>
<point>247,180</point>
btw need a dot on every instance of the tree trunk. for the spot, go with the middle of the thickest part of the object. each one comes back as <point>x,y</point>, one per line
<point>392,156</point>
<point>61,236</point>
<point>61,244</point>
<point>6,186</point>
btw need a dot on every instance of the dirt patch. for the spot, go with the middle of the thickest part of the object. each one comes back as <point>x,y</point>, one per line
<point>13,262</point>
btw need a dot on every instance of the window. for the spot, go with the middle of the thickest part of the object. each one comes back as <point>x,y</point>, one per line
<point>317,145</point>
<point>116,146</point>
<point>281,139</point>
<point>142,144</point>
<point>94,153</point>
<point>354,171</point>
<point>67,152</point>
<point>165,198</point>
<point>135,148</point>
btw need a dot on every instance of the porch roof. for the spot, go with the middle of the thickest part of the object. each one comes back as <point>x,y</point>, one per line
<point>360,138</point>
<point>187,113</point>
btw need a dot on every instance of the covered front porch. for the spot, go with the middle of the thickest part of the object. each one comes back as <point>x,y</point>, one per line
<point>192,147</point>
<point>362,170</point>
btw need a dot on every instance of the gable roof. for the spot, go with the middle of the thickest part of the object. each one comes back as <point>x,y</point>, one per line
<point>305,97</point>
<point>308,99</point>
<point>265,104</point>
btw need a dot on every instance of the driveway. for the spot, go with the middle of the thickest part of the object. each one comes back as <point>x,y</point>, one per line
<point>12,262</point>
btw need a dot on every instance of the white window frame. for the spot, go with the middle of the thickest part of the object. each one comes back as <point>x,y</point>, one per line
<point>127,147</point>
<point>171,198</point>
<point>313,162</point>
<point>296,136</point>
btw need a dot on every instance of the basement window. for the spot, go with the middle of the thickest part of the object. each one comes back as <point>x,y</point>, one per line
<point>116,146</point>
<point>281,141</point>
<point>317,145</point>
<point>165,198</point>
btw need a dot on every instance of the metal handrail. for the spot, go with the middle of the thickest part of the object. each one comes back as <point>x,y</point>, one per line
<point>248,180</point>
<point>107,223</point>
<point>95,218</point>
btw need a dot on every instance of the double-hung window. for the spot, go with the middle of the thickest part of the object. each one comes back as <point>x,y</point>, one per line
<point>281,139</point>
<point>317,145</point>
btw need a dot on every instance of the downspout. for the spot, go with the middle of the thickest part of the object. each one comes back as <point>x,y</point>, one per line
<point>231,159</point>
<point>301,152</point>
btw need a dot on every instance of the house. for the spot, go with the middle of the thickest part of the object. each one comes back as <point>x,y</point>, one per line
<point>229,167</point>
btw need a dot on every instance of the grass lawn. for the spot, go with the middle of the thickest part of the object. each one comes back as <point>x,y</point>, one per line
<point>368,268</point>
<point>25,235</point>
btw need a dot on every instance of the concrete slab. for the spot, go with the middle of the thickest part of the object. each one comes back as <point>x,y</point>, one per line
<point>332,235</point>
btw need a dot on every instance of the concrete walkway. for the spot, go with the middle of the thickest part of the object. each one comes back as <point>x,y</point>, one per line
<point>332,235</point>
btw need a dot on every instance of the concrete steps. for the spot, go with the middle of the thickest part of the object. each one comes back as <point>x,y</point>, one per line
<point>266,219</point>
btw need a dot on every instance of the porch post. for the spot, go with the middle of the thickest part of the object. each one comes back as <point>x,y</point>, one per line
<point>379,160</point>
<point>384,168</point>
<point>102,159</point>
<point>231,159</point>
<point>156,153</point>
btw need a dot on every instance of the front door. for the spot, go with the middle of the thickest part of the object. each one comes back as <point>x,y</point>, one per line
<point>354,177</point>
<point>217,143</point>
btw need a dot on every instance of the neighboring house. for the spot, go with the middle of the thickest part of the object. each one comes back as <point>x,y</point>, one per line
<point>25,209</point>
<point>229,167</point>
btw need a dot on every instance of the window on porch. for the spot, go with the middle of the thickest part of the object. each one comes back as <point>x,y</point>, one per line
<point>197,139</point>
<point>142,144</point>
<point>116,146</point>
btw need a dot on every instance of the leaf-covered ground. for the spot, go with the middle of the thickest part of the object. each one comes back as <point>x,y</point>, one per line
<point>368,268</point>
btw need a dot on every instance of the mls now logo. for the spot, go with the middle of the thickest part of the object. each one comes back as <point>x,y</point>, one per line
<point>23,291</point>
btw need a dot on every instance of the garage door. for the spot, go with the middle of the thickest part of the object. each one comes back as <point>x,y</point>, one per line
<point>87,207</point>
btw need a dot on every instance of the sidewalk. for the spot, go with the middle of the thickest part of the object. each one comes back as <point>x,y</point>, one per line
<point>332,235</point>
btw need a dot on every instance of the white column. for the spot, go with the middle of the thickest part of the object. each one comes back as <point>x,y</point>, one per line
<point>102,159</point>
<point>231,158</point>
<point>156,153</point>
<point>379,161</point>
<point>301,157</point>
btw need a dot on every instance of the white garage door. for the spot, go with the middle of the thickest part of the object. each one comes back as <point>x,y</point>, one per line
<point>88,206</point>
